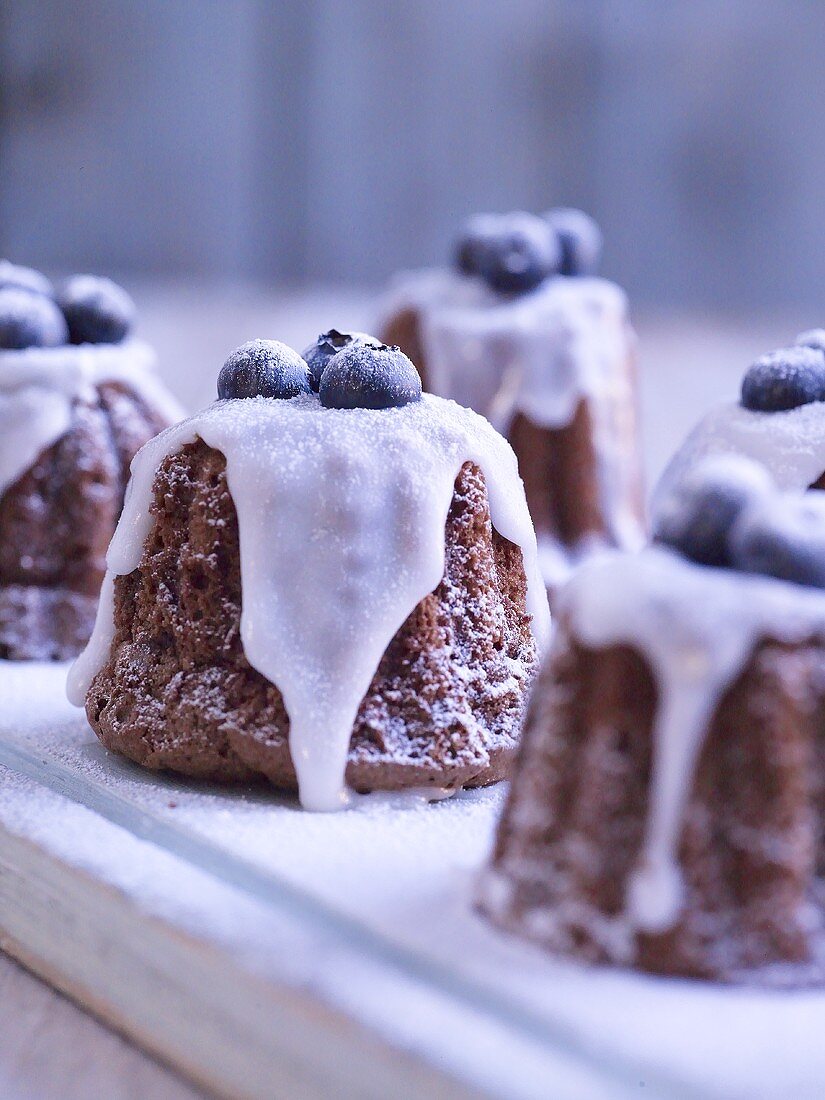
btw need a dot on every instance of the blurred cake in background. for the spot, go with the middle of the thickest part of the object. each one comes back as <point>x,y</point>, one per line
<point>666,810</point>
<point>522,330</point>
<point>326,579</point>
<point>778,421</point>
<point>78,398</point>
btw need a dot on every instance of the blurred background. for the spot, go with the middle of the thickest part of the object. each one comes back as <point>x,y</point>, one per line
<point>240,163</point>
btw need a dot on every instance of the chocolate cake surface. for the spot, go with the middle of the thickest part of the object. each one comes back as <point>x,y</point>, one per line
<point>444,707</point>
<point>320,596</point>
<point>72,418</point>
<point>666,806</point>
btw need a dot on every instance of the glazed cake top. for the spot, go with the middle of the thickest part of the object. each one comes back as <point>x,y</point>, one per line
<point>789,443</point>
<point>778,421</point>
<point>341,516</point>
<point>538,352</point>
<point>39,386</point>
<point>57,345</point>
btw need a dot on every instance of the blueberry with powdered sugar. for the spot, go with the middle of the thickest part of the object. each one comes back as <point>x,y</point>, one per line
<point>782,537</point>
<point>785,379</point>
<point>317,355</point>
<point>24,278</point>
<point>696,519</point>
<point>29,319</point>
<point>369,375</point>
<point>97,310</point>
<point>580,240</point>
<point>263,368</point>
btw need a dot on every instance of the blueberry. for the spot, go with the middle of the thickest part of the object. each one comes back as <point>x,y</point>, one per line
<point>813,338</point>
<point>520,252</point>
<point>317,355</point>
<point>580,240</point>
<point>697,517</point>
<point>26,278</point>
<point>369,376</point>
<point>97,310</point>
<point>785,379</point>
<point>783,537</point>
<point>476,237</point>
<point>263,368</point>
<point>29,320</point>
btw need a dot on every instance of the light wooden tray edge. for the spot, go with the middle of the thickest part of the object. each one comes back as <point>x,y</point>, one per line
<point>249,1039</point>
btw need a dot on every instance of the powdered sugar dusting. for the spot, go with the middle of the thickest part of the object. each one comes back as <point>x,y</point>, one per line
<point>38,387</point>
<point>348,503</point>
<point>697,627</point>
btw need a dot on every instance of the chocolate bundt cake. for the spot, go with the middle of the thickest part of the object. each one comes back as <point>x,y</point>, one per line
<point>72,415</point>
<point>523,332</point>
<point>779,421</point>
<point>324,579</point>
<point>666,809</point>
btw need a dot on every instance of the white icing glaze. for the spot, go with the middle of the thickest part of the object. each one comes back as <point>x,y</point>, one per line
<point>697,627</point>
<point>538,354</point>
<point>790,444</point>
<point>341,517</point>
<point>38,387</point>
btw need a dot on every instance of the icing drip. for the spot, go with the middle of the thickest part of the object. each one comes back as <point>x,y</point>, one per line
<point>539,354</point>
<point>341,517</point>
<point>536,353</point>
<point>790,444</point>
<point>38,387</point>
<point>697,627</point>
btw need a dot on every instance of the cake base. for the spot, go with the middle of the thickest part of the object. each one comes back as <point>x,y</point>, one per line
<point>56,522</point>
<point>572,831</point>
<point>445,706</point>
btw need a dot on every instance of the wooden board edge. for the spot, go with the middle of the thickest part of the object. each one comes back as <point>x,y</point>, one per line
<point>140,975</point>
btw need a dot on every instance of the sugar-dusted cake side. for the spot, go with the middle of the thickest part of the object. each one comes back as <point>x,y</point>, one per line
<point>573,832</point>
<point>666,806</point>
<point>72,418</point>
<point>444,707</point>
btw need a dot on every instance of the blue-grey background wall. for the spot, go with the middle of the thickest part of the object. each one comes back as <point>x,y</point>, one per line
<point>333,141</point>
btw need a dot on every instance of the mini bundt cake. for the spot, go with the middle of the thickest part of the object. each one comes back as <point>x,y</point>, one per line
<point>522,331</point>
<point>324,579</point>
<point>666,809</point>
<point>779,421</point>
<point>78,398</point>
